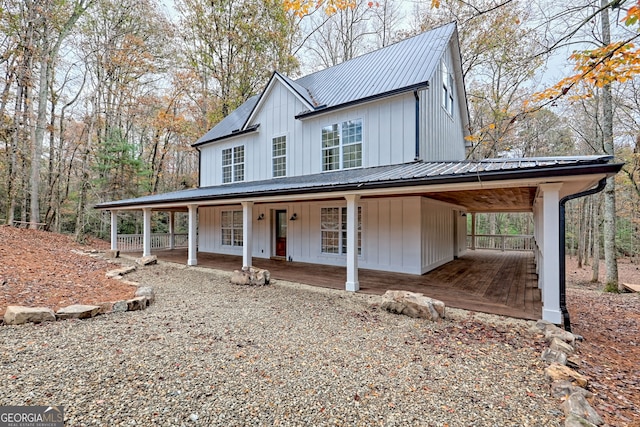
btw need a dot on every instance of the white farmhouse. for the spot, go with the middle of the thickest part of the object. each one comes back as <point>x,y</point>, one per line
<point>363,165</point>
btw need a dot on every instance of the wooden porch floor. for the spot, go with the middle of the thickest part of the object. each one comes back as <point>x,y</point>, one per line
<point>503,283</point>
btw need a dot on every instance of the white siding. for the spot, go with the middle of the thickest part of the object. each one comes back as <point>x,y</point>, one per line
<point>437,234</point>
<point>442,136</point>
<point>390,237</point>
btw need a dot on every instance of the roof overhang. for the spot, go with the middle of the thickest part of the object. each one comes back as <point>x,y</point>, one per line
<point>496,190</point>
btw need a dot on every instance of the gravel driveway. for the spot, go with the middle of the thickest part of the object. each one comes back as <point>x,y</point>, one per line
<point>210,353</point>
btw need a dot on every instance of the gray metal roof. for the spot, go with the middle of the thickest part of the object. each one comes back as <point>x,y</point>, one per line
<point>231,124</point>
<point>404,64</point>
<point>407,174</point>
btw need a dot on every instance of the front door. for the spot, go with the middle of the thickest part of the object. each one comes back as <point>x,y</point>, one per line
<point>281,233</point>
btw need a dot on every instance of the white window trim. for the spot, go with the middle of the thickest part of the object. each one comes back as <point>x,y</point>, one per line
<point>233,165</point>
<point>232,228</point>
<point>286,155</point>
<point>341,231</point>
<point>448,98</point>
<point>341,146</point>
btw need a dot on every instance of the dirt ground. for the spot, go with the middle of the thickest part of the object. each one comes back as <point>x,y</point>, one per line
<point>39,269</point>
<point>610,353</point>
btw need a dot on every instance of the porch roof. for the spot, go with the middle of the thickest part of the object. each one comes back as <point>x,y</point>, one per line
<point>476,175</point>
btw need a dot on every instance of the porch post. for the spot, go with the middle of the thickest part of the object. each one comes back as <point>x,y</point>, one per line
<point>146,232</point>
<point>192,258</point>
<point>473,231</point>
<point>551,253</point>
<point>172,239</point>
<point>114,230</point>
<point>352,283</point>
<point>247,233</point>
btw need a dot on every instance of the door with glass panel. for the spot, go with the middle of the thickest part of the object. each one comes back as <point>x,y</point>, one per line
<point>280,229</point>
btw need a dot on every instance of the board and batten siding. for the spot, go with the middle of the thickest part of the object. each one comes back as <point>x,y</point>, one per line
<point>390,233</point>
<point>437,234</point>
<point>442,136</point>
<point>276,117</point>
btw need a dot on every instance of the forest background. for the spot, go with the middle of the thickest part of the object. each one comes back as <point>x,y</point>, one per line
<point>101,99</point>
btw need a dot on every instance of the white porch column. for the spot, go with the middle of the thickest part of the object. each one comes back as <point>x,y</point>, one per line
<point>172,239</point>
<point>551,253</point>
<point>352,283</point>
<point>114,230</point>
<point>192,258</point>
<point>247,233</point>
<point>146,232</point>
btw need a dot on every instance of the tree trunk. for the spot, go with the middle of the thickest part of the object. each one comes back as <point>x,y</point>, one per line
<point>611,263</point>
<point>595,269</point>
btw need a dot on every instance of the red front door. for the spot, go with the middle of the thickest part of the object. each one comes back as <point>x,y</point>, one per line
<point>281,233</point>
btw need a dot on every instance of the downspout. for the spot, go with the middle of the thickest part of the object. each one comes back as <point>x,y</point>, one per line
<point>199,166</point>
<point>415,94</point>
<point>563,267</point>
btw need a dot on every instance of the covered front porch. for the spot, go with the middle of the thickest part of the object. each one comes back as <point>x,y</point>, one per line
<point>503,283</point>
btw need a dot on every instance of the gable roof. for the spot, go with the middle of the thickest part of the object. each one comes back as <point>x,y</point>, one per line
<point>402,66</point>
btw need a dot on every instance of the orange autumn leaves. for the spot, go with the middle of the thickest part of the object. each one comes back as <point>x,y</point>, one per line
<point>616,62</point>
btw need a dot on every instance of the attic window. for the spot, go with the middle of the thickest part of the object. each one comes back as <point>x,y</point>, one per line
<point>447,89</point>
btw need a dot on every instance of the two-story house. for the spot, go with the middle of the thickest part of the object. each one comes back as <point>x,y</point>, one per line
<point>363,165</point>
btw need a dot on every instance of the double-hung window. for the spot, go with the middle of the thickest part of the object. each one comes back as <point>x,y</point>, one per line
<point>342,145</point>
<point>333,230</point>
<point>279,155</point>
<point>233,164</point>
<point>231,225</point>
<point>447,89</point>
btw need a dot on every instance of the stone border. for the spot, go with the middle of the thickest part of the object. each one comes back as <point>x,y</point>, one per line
<point>143,297</point>
<point>566,383</point>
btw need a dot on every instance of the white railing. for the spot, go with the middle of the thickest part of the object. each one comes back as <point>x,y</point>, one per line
<point>135,242</point>
<point>502,242</point>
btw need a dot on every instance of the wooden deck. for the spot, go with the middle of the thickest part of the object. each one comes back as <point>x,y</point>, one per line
<point>503,283</point>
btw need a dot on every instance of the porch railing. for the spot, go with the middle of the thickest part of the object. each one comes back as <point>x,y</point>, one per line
<point>134,242</point>
<point>502,242</point>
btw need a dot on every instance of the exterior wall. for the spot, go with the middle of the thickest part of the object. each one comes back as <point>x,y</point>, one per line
<point>407,235</point>
<point>442,136</point>
<point>388,127</point>
<point>437,234</point>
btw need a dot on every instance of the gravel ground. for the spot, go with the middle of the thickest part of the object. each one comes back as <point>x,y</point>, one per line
<point>210,353</point>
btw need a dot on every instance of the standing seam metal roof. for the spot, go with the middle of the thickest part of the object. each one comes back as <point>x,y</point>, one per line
<point>418,173</point>
<point>403,64</point>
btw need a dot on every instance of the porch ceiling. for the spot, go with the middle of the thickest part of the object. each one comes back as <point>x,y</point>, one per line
<point>515,199</point>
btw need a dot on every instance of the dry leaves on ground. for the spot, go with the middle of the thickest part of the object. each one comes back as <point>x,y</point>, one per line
<point>610,353</point>
<point>39,269</point>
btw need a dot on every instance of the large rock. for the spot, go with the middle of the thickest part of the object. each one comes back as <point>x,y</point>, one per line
<point>78,311</point>
<point>573,420</point>
<point>563,389</point>
<point>119,306</point>
<point>137,303</point>
<point>119,272</point>
<point>561,334</point>
<point>17,315</point>
<point>112,253</point>
<point>251,276</point>
<point>556,372</point>
<point>559,345</point>
<point>413,304</point>
<point>576,404</point>
<point>146,291</point>
<point>147,260</point>
<point>554,356</point>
